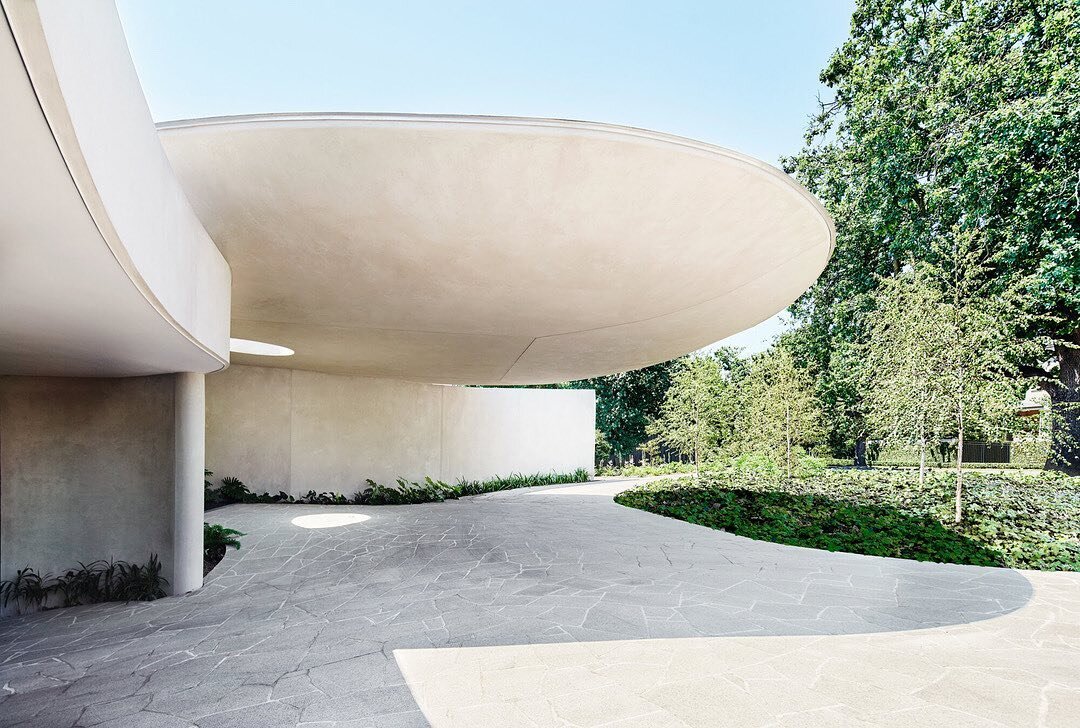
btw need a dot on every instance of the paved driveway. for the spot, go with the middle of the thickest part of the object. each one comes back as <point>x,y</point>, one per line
<point>550,607</point>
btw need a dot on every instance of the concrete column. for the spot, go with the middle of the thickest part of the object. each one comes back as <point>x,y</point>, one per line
<point>190,459</point>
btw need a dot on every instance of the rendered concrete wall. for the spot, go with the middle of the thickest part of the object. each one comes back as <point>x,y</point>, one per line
<point>500,431</point>
<point>291,430</point>
<point>86,471</point>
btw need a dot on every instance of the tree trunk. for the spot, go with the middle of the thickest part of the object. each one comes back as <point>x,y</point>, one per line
<point>1065,410</point>
<point>922,461</point>
<point>922,450</point>
<point>959,474</point>
<point>787,434</point>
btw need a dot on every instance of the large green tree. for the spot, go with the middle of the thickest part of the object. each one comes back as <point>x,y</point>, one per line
<point>948,118</point>
<point>942,358</point>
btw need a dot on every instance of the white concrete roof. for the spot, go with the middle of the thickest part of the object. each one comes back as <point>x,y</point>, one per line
<point>104,268</point>
<point>486,250</point>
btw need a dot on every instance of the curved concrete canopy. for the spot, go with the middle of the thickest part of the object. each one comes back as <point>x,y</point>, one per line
<point>104,268</point>
<point>491,250</point>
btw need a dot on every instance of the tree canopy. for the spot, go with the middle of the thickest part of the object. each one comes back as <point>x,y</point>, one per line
<point>697,410</point>
<point>948,118</point>
<point>777,411</point>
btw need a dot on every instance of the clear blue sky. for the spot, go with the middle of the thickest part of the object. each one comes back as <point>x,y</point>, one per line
<point>741,74</point>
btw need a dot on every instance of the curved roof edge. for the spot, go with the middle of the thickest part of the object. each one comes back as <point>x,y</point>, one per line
<point>123,181</point>
<point>503,122</point>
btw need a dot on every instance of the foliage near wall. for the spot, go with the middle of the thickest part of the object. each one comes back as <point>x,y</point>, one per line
<point>97,581</point>
<point>217,539</point>
<point>233,490</point>
<point>627,402</point>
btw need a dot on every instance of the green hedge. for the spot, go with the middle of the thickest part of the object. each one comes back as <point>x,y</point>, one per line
<point>637,471</point>
<point>1021,521</point>
<point>1030,454</point>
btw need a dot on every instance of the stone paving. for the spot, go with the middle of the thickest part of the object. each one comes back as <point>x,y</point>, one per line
<point>549,607</point>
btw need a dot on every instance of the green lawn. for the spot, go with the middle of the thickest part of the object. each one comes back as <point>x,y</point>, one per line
<point>1016,520</point>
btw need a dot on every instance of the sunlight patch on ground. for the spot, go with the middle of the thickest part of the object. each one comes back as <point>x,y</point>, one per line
<point>329,520</point>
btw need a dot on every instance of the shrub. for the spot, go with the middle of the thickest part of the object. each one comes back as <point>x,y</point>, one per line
<point>216,540</point>
<point>27,591</point>
<point>756,462</point>
<point>97,581</point>
<point>810,467</point>
<point>139,582</point>
<point>635,471</point>
<point>234,490</point>
<point>87,584</point>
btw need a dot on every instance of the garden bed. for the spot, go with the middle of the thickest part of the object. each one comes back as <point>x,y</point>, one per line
<point>233,490</point>
<point>1014,520</point>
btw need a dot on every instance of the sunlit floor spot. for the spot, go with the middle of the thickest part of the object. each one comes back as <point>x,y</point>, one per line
<point>329,520</point>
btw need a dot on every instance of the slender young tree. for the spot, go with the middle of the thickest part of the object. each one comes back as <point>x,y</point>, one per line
<point>982,353</point>
<point>692,416</point>
<point>903,368</point>
<point>778,411</point>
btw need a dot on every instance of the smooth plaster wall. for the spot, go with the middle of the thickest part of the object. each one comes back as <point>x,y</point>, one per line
<point>86,471</point>
<point>502,431</point>
<point>294,431</point>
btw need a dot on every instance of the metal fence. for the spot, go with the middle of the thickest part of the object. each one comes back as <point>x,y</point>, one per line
<point>987,452</point>
<point>975,451</point>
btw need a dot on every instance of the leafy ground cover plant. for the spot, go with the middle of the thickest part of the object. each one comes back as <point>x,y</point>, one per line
<point>233,490</point>
<point>1014,520</point>
<point>89,583</point>
<point>216,540</point>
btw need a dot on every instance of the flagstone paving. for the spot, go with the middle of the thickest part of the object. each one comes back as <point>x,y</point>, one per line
<point>549,607</point>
